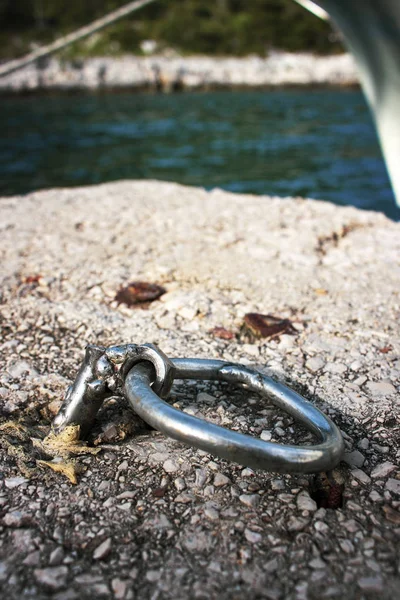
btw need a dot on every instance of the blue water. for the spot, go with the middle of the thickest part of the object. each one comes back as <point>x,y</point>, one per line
<point>319,144</point>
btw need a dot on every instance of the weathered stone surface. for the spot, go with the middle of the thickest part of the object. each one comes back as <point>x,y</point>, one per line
<point>188,533</point>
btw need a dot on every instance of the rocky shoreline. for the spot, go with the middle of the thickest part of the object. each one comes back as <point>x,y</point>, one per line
<point>161,73</point>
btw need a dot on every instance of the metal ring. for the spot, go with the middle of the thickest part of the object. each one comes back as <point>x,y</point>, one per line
<point>233,446</point>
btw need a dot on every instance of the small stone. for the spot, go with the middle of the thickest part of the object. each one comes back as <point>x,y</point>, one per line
<point>315,364</point>
<point>375,497</point>
<point>13,482</point>
<point>220,480</point>
<point>119,588</point>
<point>266,435</point>
<point>153,576</point>
<point>393,485</point>
<point>180,484</point>
<point>211,514</point>
<point>277,484</point>
<point>304,502</point>
<point>250,500</point>
<point>103,550</point>
<point>380,388</point>
<point>321,527</point>
<point>170,466</point>
<point>16,518</point>
<point>33,559</point>
<point>363,444</point>
<point>354,459</point>
<point>247,472</point>
<point>382,470</point>
<point>201,478</point>
<point>360,476</point>
<point>371,584</point>
<point>57,556</point>
<point>53,577</point>
<point>346,546</point>
<point>184,498</point>
<point>252,536</point>
<point>317,563</point>
<point>296,523</point>
<point>21,369</point>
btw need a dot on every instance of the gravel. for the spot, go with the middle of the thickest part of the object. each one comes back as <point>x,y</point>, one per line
<point>151,517</point>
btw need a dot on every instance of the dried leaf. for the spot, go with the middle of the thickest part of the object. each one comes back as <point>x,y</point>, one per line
<point>267,326</point>
<point>69,469</point>
<point>139,292</point>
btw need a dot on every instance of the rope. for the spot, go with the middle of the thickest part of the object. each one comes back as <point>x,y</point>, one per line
<point>96,25</point>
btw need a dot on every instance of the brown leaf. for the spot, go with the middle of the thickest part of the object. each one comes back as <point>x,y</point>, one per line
<point>267,326</point>
<point>222,333</point>
<point>139,292</point>
<point>385,349</point>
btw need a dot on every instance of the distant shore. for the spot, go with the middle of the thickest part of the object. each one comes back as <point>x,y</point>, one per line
<point>161,73</point>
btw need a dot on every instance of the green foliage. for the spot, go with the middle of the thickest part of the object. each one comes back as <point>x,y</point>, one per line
<point>216,27</point>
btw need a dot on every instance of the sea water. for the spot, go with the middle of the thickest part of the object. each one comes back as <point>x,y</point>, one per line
<point>312,143</point>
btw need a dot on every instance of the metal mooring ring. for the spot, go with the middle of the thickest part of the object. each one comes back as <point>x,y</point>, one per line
<point>233,446</point>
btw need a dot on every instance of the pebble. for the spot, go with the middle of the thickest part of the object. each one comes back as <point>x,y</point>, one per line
<point>103,550</point>
<point>304,502</point>
<point>54,578</point>
<point>250,500</point>
<point>16,518</point>
<point>354,459</point>
<point>315,364</point>
<point>252,536</point>
<point>119,587</point>
<point>221,480</point>
<point>296,523</point>
<point>360,476</point>
<point>266,435</point>
<point>211,514</point>
<point>380,388</point>
<point>13,482</point>
<point>171,466</point>
<point>57,556</point>
<point>247,472</point>
<point>393,485</point>
<point>373,585</point>
<point>382,470</point>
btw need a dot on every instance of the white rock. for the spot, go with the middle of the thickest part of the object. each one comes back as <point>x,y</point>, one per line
<point>383,470</point>
<point>103,550</point>
<point>380,388</point>
<point>13,482</point>
<point>393,485</point>
<point>360,476</point>
<point>304,502</point>
<point>315,364</point>
<point>220,480</point>
<point>171,466</point>
<point>52,577</point>
<point>250,500</point>
<point>252,536</point>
